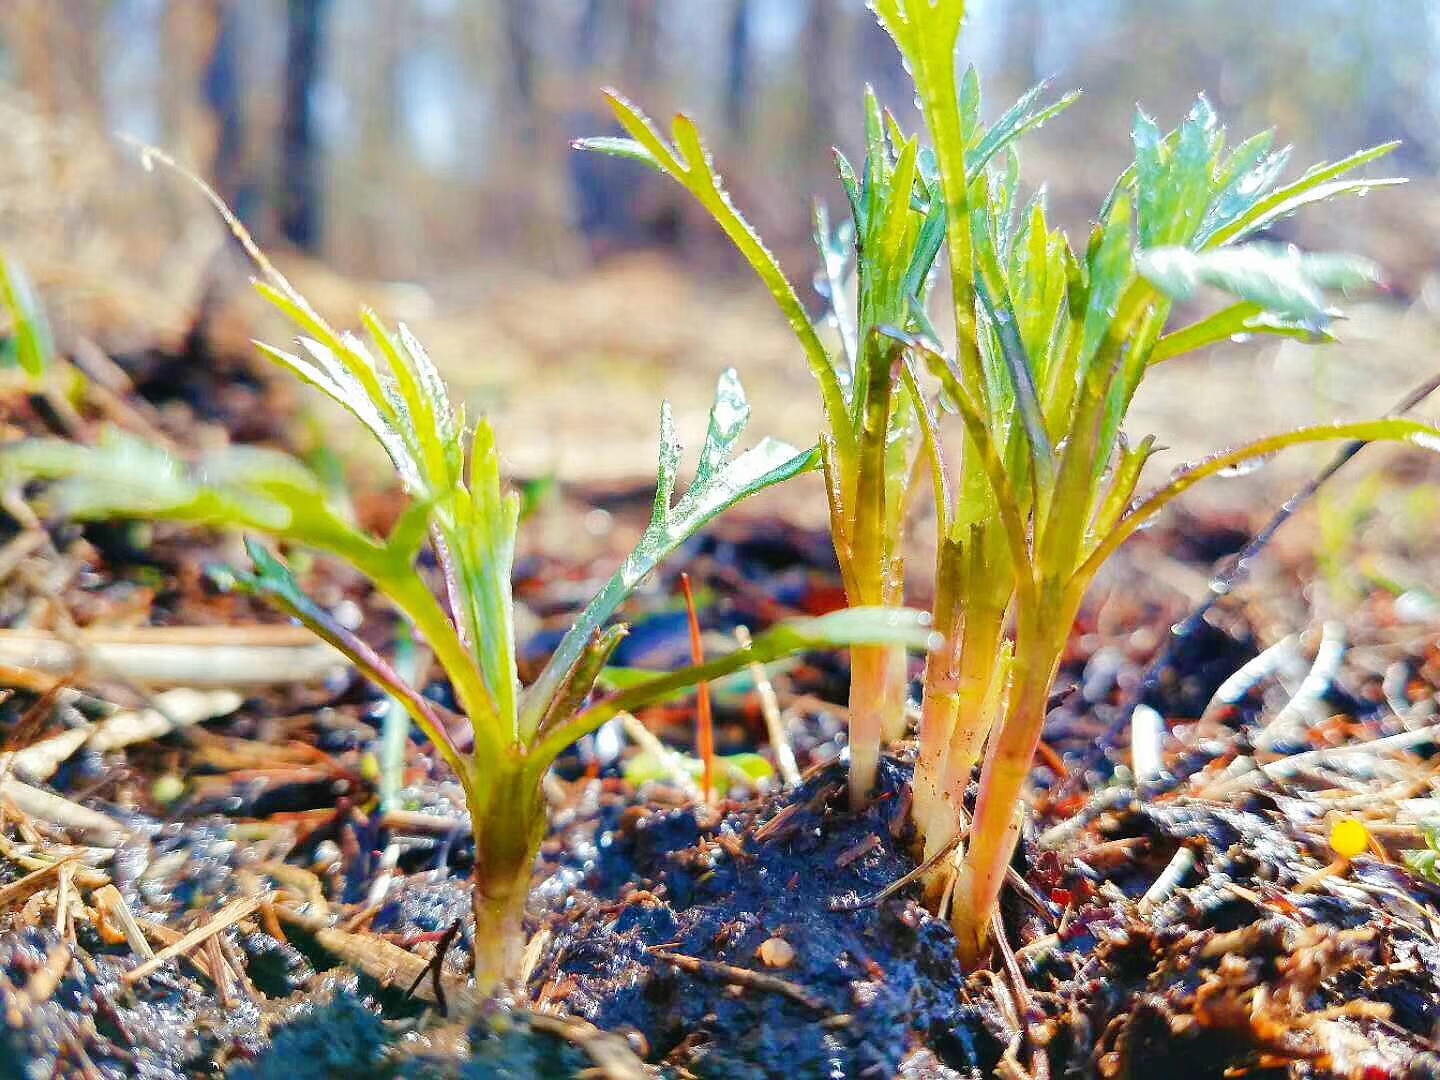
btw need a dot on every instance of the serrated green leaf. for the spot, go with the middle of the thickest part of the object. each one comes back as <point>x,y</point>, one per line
<point>1018,120</point>
<point>1280,280</point>
<point>689,164</point>
<point>722,482</point>
<point>1316,185</point>
<point>1249,176</point>
<point>1174,177</point>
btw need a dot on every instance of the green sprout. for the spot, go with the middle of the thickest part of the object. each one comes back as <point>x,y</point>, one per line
<point>507,737</point>
<point>28,344</point>
<point>1050,346</point>
<point>1425,862</point>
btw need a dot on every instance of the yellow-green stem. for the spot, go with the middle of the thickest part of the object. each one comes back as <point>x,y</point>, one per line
<point>938,711</point>
<point>508,824</point>
<point>994,831</point>
<point>897,682</point>
<point>870,697</point>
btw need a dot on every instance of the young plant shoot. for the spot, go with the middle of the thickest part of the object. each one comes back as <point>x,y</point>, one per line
<point>1050,346</point>
<point>507,737</point>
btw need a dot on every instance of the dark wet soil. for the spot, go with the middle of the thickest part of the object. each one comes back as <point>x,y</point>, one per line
<point>861,983</point>
<point>1241,968</point>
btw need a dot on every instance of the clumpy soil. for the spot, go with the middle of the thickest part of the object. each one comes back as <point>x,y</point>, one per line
<point>1243,964</point>
<point>856,983</point>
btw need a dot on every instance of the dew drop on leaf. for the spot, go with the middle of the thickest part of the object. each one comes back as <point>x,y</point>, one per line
<point>1245,468</point>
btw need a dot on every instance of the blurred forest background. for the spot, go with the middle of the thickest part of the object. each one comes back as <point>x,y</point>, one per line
<point>407,138</point>
<point>424,143</point>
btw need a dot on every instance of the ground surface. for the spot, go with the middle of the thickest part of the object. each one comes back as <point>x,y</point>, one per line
<point>1187,916</point>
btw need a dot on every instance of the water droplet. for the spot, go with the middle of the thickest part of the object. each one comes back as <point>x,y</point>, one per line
<point>1426,439</point>
<point>147,160</point>
<point>1240,339</point>
<point>1245,468</point>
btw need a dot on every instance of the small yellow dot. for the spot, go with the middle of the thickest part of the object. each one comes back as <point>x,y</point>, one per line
<point>1349,838</point>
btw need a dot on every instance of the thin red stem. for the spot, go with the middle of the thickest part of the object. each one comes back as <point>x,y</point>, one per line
<point>704,727</point>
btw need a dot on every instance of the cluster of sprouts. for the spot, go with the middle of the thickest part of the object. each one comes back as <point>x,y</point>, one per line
<point>1012,432</point>
<point>1016,426</point>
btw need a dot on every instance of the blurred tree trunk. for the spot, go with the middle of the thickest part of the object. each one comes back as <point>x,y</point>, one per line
<point>223,90</point>
<point>301,165</point>
<point>642,44</point>
<point>362,232</point>
<point>738,69</point>
<point>56,45</point>
<point>519,19</point>
<point>26,27</point>
<point>818,57</point>
<point>588,39</point>
<point>190,30</point>
<point>1023,20</point>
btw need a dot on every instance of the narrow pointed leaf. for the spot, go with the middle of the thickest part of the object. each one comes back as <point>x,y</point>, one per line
<point>273,583</point>
<point>1020,118</point>
<point>1232,323</point>
<point>30,345</point>
<point>879,626</point>
<point>619,148</point>
<point>689,164</point>
<point>1390,429</point>
<point>1318,184</point>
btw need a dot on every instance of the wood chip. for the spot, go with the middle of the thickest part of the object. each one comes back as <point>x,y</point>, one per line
<point>206,657</point>
<point>84,823</point>
<point>857,851</point>
<point>776,952</point>
<point>173,709</point>
<point>738,976</point>
<point>227,917</point>
<point>613,1058</point>
<point>111,903</point>
<point>32,882</point>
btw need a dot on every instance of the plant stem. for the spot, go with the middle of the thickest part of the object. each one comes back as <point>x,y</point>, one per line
<point>508,821</point>
<point>870,696</point>
<point>877,674</point>
<point>940,701</point>
<point>499,932</point>
<point>995,829</point>
<point>893,721</point>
